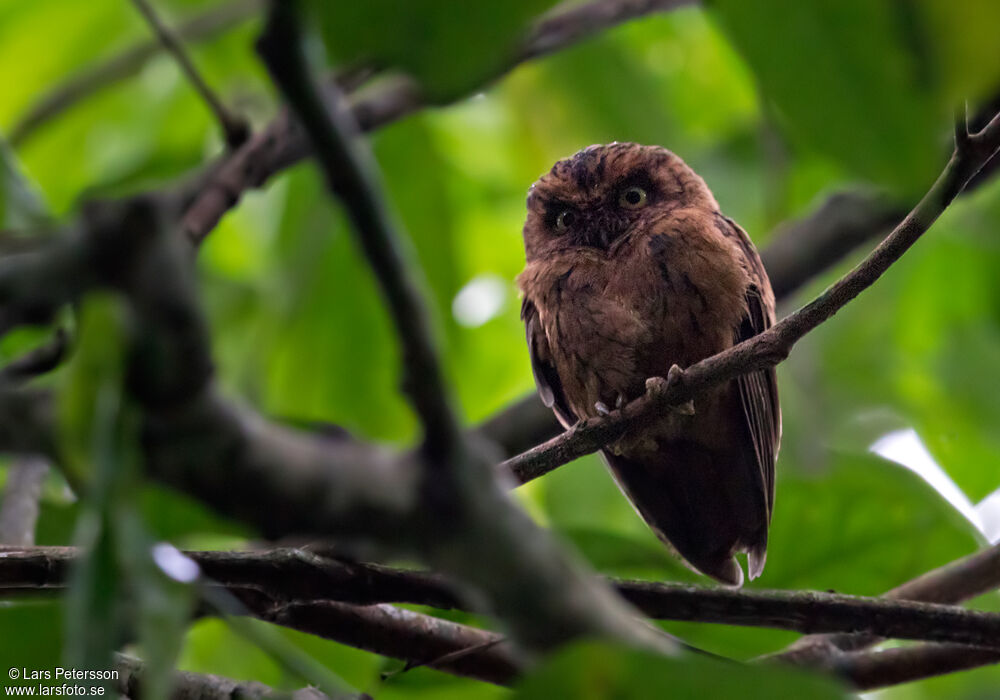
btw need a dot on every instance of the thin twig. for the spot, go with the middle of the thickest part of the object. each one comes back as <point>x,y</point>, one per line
<point>772,346</point>
<point>235,129</point>
<point>95,78</point>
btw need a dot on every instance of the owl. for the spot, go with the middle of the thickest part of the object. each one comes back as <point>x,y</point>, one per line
<point>631,268</point>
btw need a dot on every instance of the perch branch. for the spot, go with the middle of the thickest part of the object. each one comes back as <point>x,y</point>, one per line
<point>773,345</point>
<point>234,128</point>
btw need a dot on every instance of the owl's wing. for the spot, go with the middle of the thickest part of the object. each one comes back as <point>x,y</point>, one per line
<point>546,377</point>
<point>759,395</point>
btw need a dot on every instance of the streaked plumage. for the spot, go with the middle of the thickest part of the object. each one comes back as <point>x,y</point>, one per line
<point>631,268</point>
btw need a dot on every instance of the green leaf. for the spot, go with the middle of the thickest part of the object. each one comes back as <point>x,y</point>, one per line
<point>863,527</point>
<point>90,431</point>
<point>93,379</point>
<point>163,604</point>
<point>448,47</point>
<point>850,78</point>
<point>185,522</point>
<point>33,634</point>
<point>598,671</point>
<point>622,555</point>
<point>921,348</point>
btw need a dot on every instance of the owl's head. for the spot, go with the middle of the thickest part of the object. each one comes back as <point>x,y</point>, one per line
<point>602,194</point>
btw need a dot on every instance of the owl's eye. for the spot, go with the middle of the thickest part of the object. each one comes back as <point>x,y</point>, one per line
<point>632,198</point>
<point>566,218</point>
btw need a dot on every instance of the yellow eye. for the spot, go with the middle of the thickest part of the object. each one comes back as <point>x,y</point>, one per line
<point>566,218</point>
<point>633,198</point>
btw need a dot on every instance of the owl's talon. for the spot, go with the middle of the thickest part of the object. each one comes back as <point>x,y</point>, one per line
<point>656,386</point>
<point>602,408</point>
<point>675,375</point>
<point>620,401</point>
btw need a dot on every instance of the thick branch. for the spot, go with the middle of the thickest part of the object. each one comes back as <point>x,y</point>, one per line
<point>351,175</point>
<point>772,346</point>
<point>93,79</point>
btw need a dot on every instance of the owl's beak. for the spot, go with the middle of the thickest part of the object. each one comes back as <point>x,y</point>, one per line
<point>602,231</point>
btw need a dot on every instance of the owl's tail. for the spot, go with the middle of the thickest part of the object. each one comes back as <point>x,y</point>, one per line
<point>705,508</point>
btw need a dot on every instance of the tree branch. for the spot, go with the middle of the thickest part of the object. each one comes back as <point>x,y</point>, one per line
<point>292,577</point>
<point>419,640</point>
<point>773,345</point>
<point>871,670</point>
<point>955,582</point>
<point>351,175</point>
<point>93,79</point>
<point>234,128</point>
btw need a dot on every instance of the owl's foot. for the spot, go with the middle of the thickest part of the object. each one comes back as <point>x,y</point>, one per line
<point>675,375</point>
<point>602,408</point>
<point>658,386</point>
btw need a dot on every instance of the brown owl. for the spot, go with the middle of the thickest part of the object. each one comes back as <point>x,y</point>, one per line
<point>632,268</point>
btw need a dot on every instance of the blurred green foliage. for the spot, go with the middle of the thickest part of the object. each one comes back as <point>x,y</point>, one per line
<point>775,104</point>
<point>589,671</point>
